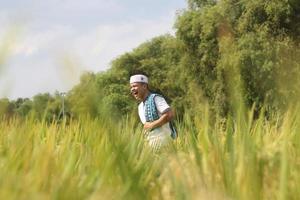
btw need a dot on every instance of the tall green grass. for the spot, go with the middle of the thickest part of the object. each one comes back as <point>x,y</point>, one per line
<point>106,159</point>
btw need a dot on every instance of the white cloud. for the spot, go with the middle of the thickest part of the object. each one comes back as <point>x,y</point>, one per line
<point>42,41</point>
<point>102,44</point>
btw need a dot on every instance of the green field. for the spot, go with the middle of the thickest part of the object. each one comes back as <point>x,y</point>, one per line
<point>103,159</point>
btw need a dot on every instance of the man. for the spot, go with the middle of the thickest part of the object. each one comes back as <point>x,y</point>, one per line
<point>154,113</point>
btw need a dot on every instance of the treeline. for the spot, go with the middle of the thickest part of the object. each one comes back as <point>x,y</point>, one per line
<point>224,53</point>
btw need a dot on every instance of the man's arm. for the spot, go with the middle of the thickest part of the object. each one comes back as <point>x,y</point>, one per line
<point>164,118</point>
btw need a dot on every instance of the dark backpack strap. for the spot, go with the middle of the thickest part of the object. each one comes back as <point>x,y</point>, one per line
<point>173,130</point>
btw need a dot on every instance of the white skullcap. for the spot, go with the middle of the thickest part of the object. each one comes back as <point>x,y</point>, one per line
<point>139,78</point>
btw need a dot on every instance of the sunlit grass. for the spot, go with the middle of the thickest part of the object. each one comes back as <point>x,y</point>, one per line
<point>103,159</point>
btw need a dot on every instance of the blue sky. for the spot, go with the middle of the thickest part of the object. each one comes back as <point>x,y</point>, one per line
<point>50,43</point>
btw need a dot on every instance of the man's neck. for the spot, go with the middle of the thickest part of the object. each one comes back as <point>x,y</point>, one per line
<point>146,95</point>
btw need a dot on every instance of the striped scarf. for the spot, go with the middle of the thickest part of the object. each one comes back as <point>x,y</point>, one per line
<point>151,113</point>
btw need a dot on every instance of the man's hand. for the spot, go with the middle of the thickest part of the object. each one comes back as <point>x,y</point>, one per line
<point>149,126</point>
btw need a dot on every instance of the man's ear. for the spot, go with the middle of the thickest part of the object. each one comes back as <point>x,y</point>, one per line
<point>145,86</point>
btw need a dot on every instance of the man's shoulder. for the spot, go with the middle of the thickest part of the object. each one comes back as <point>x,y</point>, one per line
<point>161,103</point>
<point>157,96</point>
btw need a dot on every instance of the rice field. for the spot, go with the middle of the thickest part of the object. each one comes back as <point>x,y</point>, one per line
<point>107,159</point>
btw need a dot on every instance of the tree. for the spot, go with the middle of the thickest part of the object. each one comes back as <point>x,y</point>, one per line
<point>6,108</point>
<point>84,97</point>
<point>23,107</point>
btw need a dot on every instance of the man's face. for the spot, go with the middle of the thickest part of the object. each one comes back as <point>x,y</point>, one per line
<point>138,90</point>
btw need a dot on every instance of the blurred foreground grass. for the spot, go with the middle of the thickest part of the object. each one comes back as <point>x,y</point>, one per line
<point>102,159</point>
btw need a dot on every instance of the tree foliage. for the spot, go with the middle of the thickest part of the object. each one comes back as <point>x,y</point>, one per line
<point>223,52</point>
